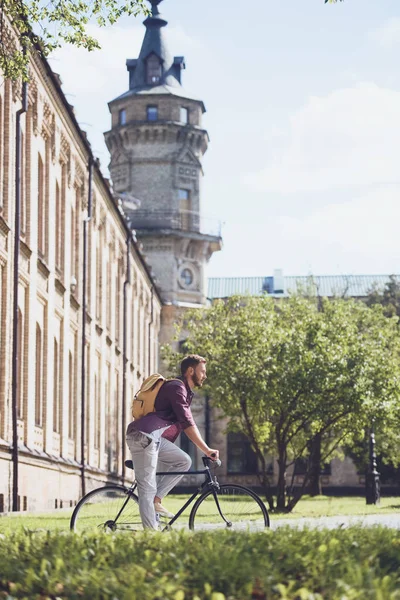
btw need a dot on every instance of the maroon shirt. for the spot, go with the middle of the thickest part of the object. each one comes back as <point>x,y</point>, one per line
<point>172,410</point>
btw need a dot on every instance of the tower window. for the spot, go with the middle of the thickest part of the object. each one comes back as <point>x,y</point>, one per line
<point>152,113</point>
<point>187,277</point>
<point>122,117</point>
<point>153,69</point>
<point>185,209</point>
<point>184,115</point>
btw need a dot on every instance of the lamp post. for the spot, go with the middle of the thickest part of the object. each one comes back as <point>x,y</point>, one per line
<point>372,481</point>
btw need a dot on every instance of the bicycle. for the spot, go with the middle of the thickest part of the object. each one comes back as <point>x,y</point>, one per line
<point>230,506</point>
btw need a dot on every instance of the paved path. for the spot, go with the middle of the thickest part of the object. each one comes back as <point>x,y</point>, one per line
<point>389,520</point>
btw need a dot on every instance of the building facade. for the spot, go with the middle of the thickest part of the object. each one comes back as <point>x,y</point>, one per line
<point>71,363</point>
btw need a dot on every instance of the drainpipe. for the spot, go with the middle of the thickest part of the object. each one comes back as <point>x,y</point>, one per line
<point>17,233</point>
<point>86,222</point>
<point>124,358</point>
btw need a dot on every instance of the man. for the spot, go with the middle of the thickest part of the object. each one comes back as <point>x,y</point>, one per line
<point>150,440</point>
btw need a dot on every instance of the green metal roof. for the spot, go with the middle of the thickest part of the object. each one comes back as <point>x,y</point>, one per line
<point>323,285</point>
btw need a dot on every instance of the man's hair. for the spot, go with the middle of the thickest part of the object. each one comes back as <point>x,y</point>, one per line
<point>191,361</point>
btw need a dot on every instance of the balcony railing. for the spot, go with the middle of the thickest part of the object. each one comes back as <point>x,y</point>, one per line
<point>185,220</point>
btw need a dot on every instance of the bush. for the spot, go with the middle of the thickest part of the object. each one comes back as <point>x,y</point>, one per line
<point>288,564</point>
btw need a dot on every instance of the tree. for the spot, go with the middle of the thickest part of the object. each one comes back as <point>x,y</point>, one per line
<point>286,373</point>
<point>48,24</point>
<point>389,297</point>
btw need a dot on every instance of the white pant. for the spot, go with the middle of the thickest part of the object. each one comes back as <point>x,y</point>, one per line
<point>149,456</point>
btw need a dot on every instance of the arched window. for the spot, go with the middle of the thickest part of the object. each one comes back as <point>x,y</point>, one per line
<point>72,398</point>
<point>56,388</point>
<point>153,69</point>
<point>20,354</point>
<point>58,227</point>
<point>39,377</point>
<point>41,208</point>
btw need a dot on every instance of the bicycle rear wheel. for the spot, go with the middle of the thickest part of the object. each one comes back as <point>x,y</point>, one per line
<point>110,508</point>
<point>230,507</point>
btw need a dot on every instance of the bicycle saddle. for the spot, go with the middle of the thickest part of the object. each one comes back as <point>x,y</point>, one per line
<point>129,464</point>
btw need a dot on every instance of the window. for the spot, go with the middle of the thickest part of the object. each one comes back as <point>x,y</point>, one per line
<point>152,113</point>
<point>122,116</point>
<point>41,208</point>
<point>153,69</point>
<point>73,241</point>
<point>184,115</point>
<point>20,372</point>
<point>97,428</point>
<point>301,467</point>
<point>72,397</point>
<point>23,186</point>
<point>241,456</point>
<point>58,226</point>
<point>184,195</point>
<point>187,277</point>
<point>39,377</point>
<point>62,215</point>
<point>99,275</point>
<point>185,209</point>
<point>56,389</point>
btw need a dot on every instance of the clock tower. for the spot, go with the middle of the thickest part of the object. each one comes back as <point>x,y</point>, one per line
<point>156,143</point>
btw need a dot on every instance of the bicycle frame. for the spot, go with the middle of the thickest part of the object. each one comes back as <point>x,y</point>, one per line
<point>208,482</point>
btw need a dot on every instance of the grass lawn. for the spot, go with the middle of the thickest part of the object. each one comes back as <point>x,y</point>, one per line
<point>307,507</point>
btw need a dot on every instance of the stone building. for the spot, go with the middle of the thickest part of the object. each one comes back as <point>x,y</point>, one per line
<point>64,397</point>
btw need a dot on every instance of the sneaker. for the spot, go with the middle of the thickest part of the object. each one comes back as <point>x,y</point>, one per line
<point>159,508</point>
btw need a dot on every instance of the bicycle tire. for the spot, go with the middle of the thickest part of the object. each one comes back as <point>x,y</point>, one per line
<point>242,508</point>
<point>99,509</point>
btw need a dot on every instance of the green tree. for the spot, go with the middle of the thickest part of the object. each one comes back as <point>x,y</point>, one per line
<point>48,24</point>
<point>286,373</point>
<point>389,297</point>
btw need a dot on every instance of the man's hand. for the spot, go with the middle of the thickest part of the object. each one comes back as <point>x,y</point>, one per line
<point>212,453</point>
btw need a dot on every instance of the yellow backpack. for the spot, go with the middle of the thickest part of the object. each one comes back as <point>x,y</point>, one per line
<point>144,400</point>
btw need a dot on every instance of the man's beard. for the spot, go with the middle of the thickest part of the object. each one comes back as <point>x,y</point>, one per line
<point>197,381</point>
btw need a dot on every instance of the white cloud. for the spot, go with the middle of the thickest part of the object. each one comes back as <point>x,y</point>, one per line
<point>362,231</point>
<point>349,138</point>
<point>388,34</point>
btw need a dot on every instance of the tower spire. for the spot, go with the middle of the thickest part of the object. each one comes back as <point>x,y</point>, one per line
<point>154,7</point>
<point>155,65</point>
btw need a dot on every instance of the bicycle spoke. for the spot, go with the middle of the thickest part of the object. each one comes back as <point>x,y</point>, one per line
<point>234,507</point>
<point>107,509</point>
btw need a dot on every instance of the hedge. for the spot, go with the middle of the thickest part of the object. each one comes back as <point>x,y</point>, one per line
<point>344,564</point>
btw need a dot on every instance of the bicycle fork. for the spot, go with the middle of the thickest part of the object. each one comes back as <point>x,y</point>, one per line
<point>215,488</point>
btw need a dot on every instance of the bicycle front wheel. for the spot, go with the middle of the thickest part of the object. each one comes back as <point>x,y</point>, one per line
<point>110,508</point>
<point>230,507</point>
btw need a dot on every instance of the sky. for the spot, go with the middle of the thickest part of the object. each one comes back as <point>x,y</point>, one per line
<point>303,113</point>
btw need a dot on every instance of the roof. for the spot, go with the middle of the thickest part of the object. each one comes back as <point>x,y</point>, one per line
<point>323,285</point>
<point>155,44</point>
<point>159,90</point>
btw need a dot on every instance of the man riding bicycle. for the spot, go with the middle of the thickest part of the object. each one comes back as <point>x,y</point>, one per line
<point>150,440</point>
